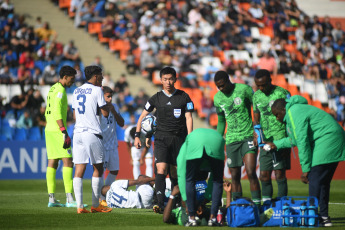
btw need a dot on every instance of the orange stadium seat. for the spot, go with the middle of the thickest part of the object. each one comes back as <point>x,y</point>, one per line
<point>244,6</point>
<point>317,104</point>
<point>268,31</point>
<point>214,120</point>
<point>156,79</point>
<point>307,96</point>
<point>94,27</point>
<point>219,54</point>
<point>291,48</point>
<point>293,89</point>
<point>102,39</point>
<point>64,4</point>
<point>115,45</point>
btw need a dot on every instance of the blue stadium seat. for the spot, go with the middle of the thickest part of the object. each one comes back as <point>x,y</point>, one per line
<point>3,137</point>
<point>20,134</point>
<point>34,134</point>
<point>43,134</point>
<point>6,129</point>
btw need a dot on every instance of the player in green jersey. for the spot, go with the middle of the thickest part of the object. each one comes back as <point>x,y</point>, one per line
<point>277,161</point>
<point>233,103</point>
<point>58,142</point>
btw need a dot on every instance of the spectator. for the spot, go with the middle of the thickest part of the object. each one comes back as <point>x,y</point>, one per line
<point>140,100</point>
<point>71,52</point>
<point>121,84</point>
<point>50,75</point>
<point>6,77</point>
<point>45,33</point>
<point>207,106</point>
<point>149,63</point>
<point>24,120</point>
<point>268,62</point>
<point>98,62</point>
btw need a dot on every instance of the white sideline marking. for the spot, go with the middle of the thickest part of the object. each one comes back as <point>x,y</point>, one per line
<point>338,203</point>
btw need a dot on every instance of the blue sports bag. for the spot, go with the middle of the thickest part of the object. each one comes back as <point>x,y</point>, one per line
<point>243,213</point>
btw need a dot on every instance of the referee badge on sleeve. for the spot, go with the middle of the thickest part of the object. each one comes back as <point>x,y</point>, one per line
<point>147,106</point>
<point>59,95</point>
<point>190,106</point>
<point>177,113</point>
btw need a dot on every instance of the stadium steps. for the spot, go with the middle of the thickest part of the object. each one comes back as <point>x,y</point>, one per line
<point>88,46</point>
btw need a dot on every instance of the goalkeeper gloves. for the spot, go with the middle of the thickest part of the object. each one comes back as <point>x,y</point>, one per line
<point>66,139</point>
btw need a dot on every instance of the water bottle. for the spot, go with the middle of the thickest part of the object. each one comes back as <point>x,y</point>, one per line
<point>303,209</point>
<point>311,214</point>
<point>286,211</point>
<point>260,134</point>
<point>220,217</point>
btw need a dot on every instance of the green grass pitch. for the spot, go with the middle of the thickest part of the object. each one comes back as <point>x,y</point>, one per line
<point>23,205</point>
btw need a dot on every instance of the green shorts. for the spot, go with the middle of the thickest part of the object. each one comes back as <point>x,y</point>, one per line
<point>275,160</point>
<point>236,151</point>
<point>54,143</point>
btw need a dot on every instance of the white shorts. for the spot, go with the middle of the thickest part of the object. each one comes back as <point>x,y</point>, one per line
<point>136,153</point>
<point>111,160</point>
<point>87,146</point>
<point>145,192</point>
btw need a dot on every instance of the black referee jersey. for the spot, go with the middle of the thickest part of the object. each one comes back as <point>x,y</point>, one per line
<point>170,111</point>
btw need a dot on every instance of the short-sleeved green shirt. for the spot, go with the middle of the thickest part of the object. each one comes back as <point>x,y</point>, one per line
<point>273,129</point>
<point>56,107</point>
<point>236,107</point>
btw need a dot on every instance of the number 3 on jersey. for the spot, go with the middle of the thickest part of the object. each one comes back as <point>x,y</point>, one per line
<point>81,98</point>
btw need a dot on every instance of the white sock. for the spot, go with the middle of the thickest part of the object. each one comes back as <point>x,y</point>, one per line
<point>78,191</point>
<point>96,190</point>
<point>69,198</point>
<point>149,169</point>
<point>51,198</point>
<point>136,169</point>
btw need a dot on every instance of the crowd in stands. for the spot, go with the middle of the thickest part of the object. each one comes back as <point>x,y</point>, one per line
<point>200,37</point>
<point>197,38</point>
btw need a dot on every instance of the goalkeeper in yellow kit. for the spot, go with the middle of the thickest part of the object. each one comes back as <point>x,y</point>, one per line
<point>58,142</point>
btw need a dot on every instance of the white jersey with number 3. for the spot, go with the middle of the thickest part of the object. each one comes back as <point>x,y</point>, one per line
<point>87,99</point>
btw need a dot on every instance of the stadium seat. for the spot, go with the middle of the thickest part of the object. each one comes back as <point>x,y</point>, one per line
<point>317,104</point>
<point>293,89</point>
<point>6,129</point>
<point>34,134</point>
<point>115,45</point>
<point>102,39</point>
<point>64,4</point>
<point>306,96</point>
<point>94,27</point>
<point>214,120</point>
<point>156,78</point>
<point>20,134</point>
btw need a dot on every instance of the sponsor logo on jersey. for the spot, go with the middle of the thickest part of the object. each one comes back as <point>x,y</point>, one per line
<point>177,113</point>
<point>59,95</point>
<point>237,101</point>
<point>190,105</point>
<point>169,103</point>
<point>271,103</point>
<point>147,106</point>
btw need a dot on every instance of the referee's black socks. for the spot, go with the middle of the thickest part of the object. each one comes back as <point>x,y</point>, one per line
<point>160,189</point>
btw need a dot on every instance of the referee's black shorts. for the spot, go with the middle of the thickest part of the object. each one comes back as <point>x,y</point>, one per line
<point>167,147</point>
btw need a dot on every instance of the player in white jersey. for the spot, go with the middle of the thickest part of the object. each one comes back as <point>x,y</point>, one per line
<point>118,195</point>
<point>138,155</point>
<point>108,126</point>
<point>88,103</point>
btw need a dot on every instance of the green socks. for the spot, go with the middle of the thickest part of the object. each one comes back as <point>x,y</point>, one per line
<point>51,181</point>
<point>282,187</point>
<point>267,190</point>
<point>67,175</point>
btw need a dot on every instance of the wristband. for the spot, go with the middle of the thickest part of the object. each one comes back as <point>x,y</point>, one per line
<point>62,129</point>
<point>172,197</point>
<point>137,134</point>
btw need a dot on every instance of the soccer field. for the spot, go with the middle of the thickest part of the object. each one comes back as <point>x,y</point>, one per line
<point>23,205</point>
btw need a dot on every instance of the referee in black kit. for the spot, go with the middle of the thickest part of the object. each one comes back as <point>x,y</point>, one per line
<point>174,121</point>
